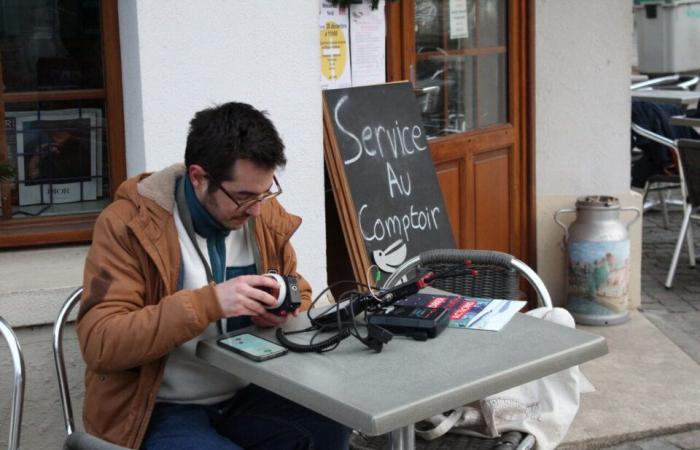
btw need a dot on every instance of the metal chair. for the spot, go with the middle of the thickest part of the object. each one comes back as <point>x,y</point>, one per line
<point>669,82</point>
<point>662,184</point>
<point>497,277</point>
<point>497,273</point>
<point>18,384</point>
<point>75,440</point>
<point>689,150</point>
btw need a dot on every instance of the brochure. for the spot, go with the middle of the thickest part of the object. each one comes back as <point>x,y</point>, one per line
<point>469,312</point>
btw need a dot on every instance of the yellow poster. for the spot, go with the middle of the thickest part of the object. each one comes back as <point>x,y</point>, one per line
<point>335,57</point>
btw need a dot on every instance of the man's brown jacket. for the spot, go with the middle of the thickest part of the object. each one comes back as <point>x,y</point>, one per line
<point>131,314</point>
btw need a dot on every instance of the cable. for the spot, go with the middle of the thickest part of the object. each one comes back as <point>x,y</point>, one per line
<point>367,277</point>
<point>343,331</point>
<point>349,304</point>
<point>308,348</point>
<point>355,302</point>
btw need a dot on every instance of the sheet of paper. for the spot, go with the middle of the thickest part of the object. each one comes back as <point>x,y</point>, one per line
<point>367,43</point>
<point>459,23</point>
<point>495,315</point>
<point>469,312</point>
<point>335,49</point>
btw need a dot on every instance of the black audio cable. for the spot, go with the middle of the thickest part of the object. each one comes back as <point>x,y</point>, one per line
<point>327,345</point>
<point>340,317</point>
<point>343,327</point>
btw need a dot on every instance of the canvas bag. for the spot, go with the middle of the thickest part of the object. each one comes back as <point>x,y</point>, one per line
<point>545,407</point>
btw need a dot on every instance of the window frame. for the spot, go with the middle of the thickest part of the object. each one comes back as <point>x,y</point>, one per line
<point>458,149</point>
<point>74,228</point>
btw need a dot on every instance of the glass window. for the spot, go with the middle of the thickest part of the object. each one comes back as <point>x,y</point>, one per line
<point>50,45</point>
<point>461,71</point>
<point>56,112</point>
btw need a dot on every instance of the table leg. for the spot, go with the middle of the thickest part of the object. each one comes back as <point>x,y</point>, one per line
<point>403,438</point>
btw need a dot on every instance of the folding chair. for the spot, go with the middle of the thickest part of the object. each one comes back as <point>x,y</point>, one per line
<point>689,150</point>
<point>18,384</point>
<point>75,440</point>
<point>497,277</point>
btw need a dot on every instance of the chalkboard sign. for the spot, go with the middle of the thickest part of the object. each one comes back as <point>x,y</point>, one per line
<point>383,178</point>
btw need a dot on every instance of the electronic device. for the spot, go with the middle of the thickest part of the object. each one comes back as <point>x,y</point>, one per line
<point>382,316</point>
<point>343,313</point>
<point>288,295</point>
<point>419,322</point>
<point>252,347</point>
<point>361,302</point>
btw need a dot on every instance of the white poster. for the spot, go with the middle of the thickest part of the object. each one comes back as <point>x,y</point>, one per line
<point>59,156</point>
<point>459,23</point>
<point>335,54</point>
<point>367,43</point>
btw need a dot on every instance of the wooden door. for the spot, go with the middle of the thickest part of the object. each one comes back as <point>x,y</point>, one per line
<point>468,61</point>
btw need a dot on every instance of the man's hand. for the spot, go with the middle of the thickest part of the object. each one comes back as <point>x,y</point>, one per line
<point>268,319</point>
<point>243,296</point>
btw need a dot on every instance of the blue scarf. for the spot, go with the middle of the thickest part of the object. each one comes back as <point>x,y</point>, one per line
<point>208,227</point>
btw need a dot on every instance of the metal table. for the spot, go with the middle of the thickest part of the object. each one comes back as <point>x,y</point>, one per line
<point>408,381</point>
<point>684,121</point>
<point>681,98</point>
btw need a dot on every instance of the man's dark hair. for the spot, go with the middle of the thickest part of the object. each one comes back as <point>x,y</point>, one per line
<point>221,135</point>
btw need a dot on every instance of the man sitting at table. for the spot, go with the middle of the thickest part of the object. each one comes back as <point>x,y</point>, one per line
<point>175,259</point>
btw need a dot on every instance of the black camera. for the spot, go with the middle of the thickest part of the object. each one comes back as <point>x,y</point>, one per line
<point>288,295</point>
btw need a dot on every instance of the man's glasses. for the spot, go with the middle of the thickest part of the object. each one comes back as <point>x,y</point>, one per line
<point>246,201</point>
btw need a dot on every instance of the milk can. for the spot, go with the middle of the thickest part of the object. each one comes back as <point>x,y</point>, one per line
<point>598,251</point>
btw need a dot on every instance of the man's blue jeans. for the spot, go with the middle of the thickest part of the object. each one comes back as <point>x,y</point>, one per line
<point>253,419</point>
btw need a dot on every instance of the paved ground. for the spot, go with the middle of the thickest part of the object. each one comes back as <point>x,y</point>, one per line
<point>676,311</point>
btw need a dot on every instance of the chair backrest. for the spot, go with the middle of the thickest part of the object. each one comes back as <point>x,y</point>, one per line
<point>63,389</point>
<point>689,150</point>
<point>75,440</point>
<point>18,384</point>
<point>670,144</point>
<point>496,273</point>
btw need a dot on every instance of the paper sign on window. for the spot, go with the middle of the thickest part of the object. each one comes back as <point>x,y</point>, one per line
<point>368,36</point>
<point>459,25</point>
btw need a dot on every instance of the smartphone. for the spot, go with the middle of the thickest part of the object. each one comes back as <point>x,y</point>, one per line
<point>252,347</point>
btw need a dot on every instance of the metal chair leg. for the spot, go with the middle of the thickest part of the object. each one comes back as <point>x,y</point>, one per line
<point>645,193</point>
<point>403,438</point>
<point>664,208</point>
<point>690,241</point>
<point>679,243</point>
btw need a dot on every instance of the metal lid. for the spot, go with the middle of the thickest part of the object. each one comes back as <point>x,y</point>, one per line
<point>597,202</point>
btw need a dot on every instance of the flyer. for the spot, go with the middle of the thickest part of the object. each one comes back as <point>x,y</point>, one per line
<point>335,49</point>
<point>469,312</point>
<point>367,43</point>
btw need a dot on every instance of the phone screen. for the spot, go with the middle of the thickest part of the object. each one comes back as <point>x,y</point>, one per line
<point>253,347</point>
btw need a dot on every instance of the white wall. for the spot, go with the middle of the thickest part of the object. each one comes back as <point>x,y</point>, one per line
<point>582,66</point>
<point>582,113</point>
<point>179,57</point>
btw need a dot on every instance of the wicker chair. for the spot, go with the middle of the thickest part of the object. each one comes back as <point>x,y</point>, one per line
<point>497,277</point>
<point>75,440</point>
<point>497,273</point>
<point>18,384</point>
